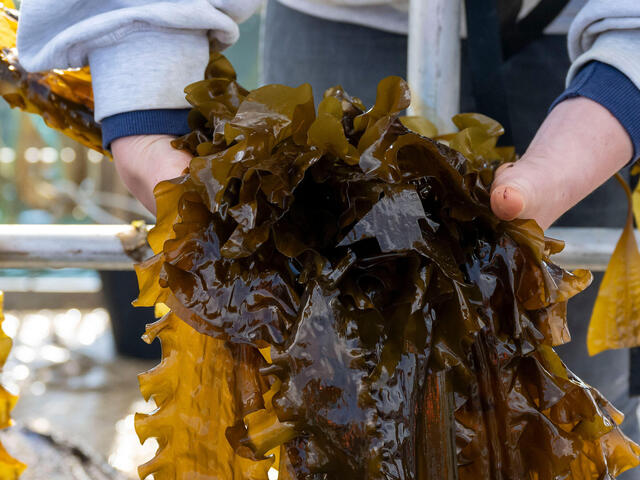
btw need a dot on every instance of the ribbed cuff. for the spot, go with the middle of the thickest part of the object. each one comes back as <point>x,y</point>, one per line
<point>613,90</point>
<point>144,122</point>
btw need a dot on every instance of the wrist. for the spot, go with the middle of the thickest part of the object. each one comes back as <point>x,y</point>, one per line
<point>144,123</point>
<point>614,91</point>
<point>580,128</point>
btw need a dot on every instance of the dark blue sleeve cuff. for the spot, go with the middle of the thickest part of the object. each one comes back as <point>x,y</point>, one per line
<point>613,90</point>
<point>144,122</point>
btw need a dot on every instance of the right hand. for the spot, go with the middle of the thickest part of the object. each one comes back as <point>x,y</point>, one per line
<point>143,161</point>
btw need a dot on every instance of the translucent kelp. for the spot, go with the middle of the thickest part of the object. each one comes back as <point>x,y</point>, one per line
<point>10,468</point>
<point>64,99</point>
<point>615,322</point>
<point>409,331</point>
<point>194,389</point>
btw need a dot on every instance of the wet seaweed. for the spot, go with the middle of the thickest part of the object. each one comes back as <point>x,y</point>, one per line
<point>10,468</point>
<point>366,258</point>
<point>343,301</point>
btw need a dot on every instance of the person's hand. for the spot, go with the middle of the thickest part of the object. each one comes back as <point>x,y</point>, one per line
<point>142,161</point>
<point>578,147</point>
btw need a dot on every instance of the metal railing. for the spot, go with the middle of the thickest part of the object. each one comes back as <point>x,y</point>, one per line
<point>99,247</point>
<point>117,247</point>
<point>434,76</point>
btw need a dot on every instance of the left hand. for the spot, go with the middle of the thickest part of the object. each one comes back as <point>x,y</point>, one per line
<point>578,147</point>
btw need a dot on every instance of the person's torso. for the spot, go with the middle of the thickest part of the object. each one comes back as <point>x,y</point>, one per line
<point>392,15</point>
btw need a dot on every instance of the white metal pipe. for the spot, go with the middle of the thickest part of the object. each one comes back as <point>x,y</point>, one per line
<point>65,246</point>
<point>434,60</point>
<point>100,247</point>
<point>589,248</point>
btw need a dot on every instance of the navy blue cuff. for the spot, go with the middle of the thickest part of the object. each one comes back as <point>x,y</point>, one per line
<point>144,122</point>
<point>613,90</point>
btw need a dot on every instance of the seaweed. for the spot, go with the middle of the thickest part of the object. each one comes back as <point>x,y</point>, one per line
<point>194,390</point>
<point>614,321</point>
<point>63,98</point>
<point>409,331</point>
<point>10,468</point>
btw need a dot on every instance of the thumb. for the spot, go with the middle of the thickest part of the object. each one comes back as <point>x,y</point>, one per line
<point>525,190</point>
<point>507,200</point>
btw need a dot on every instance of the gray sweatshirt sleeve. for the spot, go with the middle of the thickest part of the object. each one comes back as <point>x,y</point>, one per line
<point>142,53</point>
<point>607,31</point>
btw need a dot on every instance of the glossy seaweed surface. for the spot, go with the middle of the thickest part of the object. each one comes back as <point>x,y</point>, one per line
<point>357,310</point>
<point>64,99</point>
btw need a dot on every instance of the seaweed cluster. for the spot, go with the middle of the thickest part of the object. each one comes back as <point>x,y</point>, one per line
<point>368,315</point>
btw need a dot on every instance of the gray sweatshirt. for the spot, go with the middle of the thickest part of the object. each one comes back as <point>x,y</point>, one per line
<point>131,45</point>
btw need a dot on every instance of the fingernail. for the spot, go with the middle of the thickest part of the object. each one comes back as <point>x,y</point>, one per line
<point>507,202</point>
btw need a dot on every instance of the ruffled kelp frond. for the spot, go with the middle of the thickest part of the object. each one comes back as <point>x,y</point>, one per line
<point>63,98</point>
<point>366,256</point>
<point>194,390</point>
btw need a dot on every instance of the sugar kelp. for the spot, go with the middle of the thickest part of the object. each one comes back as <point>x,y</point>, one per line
<point>365,257</point>
<point>194,389</point>
<point>63,98</point>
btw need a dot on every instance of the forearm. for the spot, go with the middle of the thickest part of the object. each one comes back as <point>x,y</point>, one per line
<point>142,53</point>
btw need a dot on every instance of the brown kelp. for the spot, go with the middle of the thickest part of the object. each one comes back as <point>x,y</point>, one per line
<point>63,98</point>
<point>366,257</point>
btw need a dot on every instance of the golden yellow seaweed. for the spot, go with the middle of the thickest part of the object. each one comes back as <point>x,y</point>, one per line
<point>64,98</point>
<point>193,390</point>
<point>614,321</point>
<point>8,28</point>
<point>10,468</point>
<point>635,197</point>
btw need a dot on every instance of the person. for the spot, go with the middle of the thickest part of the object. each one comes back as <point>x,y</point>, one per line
<point>142,53</point>
<point>132,47</point>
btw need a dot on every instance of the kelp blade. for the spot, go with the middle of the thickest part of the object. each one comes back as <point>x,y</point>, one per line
<point>193,388</point>
<point>615,322</point>
<point>64,99</point>
<point>10,468</point>
<point>368,266</point>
